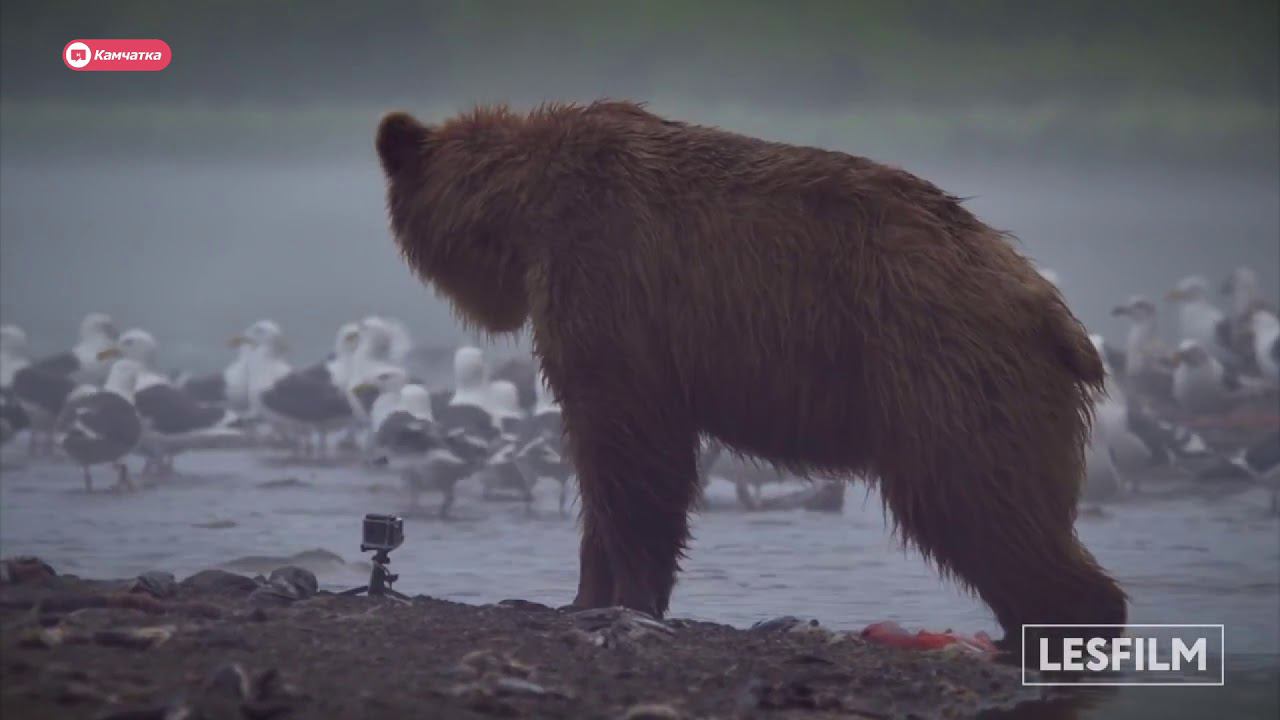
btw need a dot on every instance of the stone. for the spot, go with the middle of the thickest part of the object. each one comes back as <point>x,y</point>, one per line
<point>41,638</point>
<point>652,711</point>
<point>301,582</point>
<point>518,686</point>
<point>524,605</point>
<point>157,584</point>
<point>223,693</point>
<point>215,525</point>
<point>24,569</point>
<point>228,680</point>
<point>781,623</point>
<point>152,712</point>
<point>97,618</point>
<point>488,662</point>
<point>218,582</point>
<point>75,692</point>
<point>287,482</point>
<point>285,586</point>
<point>143,638</point>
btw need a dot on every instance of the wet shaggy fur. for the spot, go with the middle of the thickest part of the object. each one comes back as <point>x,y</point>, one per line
<point>818,310</point>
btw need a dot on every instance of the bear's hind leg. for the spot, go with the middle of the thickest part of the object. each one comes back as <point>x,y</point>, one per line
<point>638,480</point>
<point>1011,539</point>
<point>595,577</point>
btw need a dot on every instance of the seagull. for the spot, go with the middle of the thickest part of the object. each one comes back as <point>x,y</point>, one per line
<point>1199,319</point>
<point>373,353</point>
<point>1201,384</point>
<point>541,450</point>
<point>102,426</point>
<point>434,458</point>
<point>401,339</point>
<point>524,374</point>
<point>1146,369</point>
<point>1264,328</point>
<point>44,385</point>
<point>312,402</point>
<point>97,333</point>
<point>173,421</point>
<point>141,347</point>
<point>468,408</point>
<point>230,387</point>
<point>389,381</point>
<point>13,353</point>
<point>265,363</point>
<point>1102,480</point>
<point>1241,287</point>
<point>13,357</point>
<point>709,452</point>
<point>1125,451</point>
<point>1244,291</point>
<point>1131,438</point>
<point>502,472</point>
<point>504,404</point>
<point>338,366</point>
<point>1261,461</point>
<point>471,380</point>
<point>406,429</point>
<point>13,418</point>
<point>749,478</point>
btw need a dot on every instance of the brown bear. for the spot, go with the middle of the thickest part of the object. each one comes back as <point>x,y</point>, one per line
<point>821,311</point>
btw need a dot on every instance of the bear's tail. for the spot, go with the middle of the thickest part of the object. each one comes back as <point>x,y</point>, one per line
<point>1073,347</point>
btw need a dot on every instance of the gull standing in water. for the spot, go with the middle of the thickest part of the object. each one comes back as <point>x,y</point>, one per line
<point>1202,385</point>
<point>229,387</point>
<point>1199,319</point>
<point>173,421</point>
<point>541,453</point>
<point>1264,329</point>
<point>43,386</point>
<point>14,354</point>
<point>103,426</point>
<point>13,357</point>
<point>1146,365</point>
<point>312,402</point>
<point>502,472</point>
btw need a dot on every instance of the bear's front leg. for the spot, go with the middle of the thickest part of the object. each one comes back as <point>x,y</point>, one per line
<point>637,472</point>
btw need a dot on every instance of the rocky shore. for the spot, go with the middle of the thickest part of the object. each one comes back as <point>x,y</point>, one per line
<point>221,645</point>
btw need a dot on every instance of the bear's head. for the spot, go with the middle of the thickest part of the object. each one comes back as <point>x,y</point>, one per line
<point>454,194</point>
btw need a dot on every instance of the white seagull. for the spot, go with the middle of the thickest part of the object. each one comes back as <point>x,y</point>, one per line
<point>102,426</point>
<point>1199,319</point>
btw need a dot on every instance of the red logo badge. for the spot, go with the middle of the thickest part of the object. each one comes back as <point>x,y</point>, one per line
<point>117,55</point>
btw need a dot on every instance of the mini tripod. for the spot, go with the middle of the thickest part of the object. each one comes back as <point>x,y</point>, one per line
<point>380,579</point>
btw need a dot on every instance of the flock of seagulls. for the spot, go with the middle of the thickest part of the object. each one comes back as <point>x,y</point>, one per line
<point>1206,402</point>
<point>105,400</point>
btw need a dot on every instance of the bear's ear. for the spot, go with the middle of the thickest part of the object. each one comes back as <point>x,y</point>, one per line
<point>400,142</point>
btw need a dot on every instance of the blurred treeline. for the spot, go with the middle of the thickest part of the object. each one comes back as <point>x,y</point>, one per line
<point>1168,72</point>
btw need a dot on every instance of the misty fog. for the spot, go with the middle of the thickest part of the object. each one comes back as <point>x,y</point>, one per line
<point>195,251</point>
